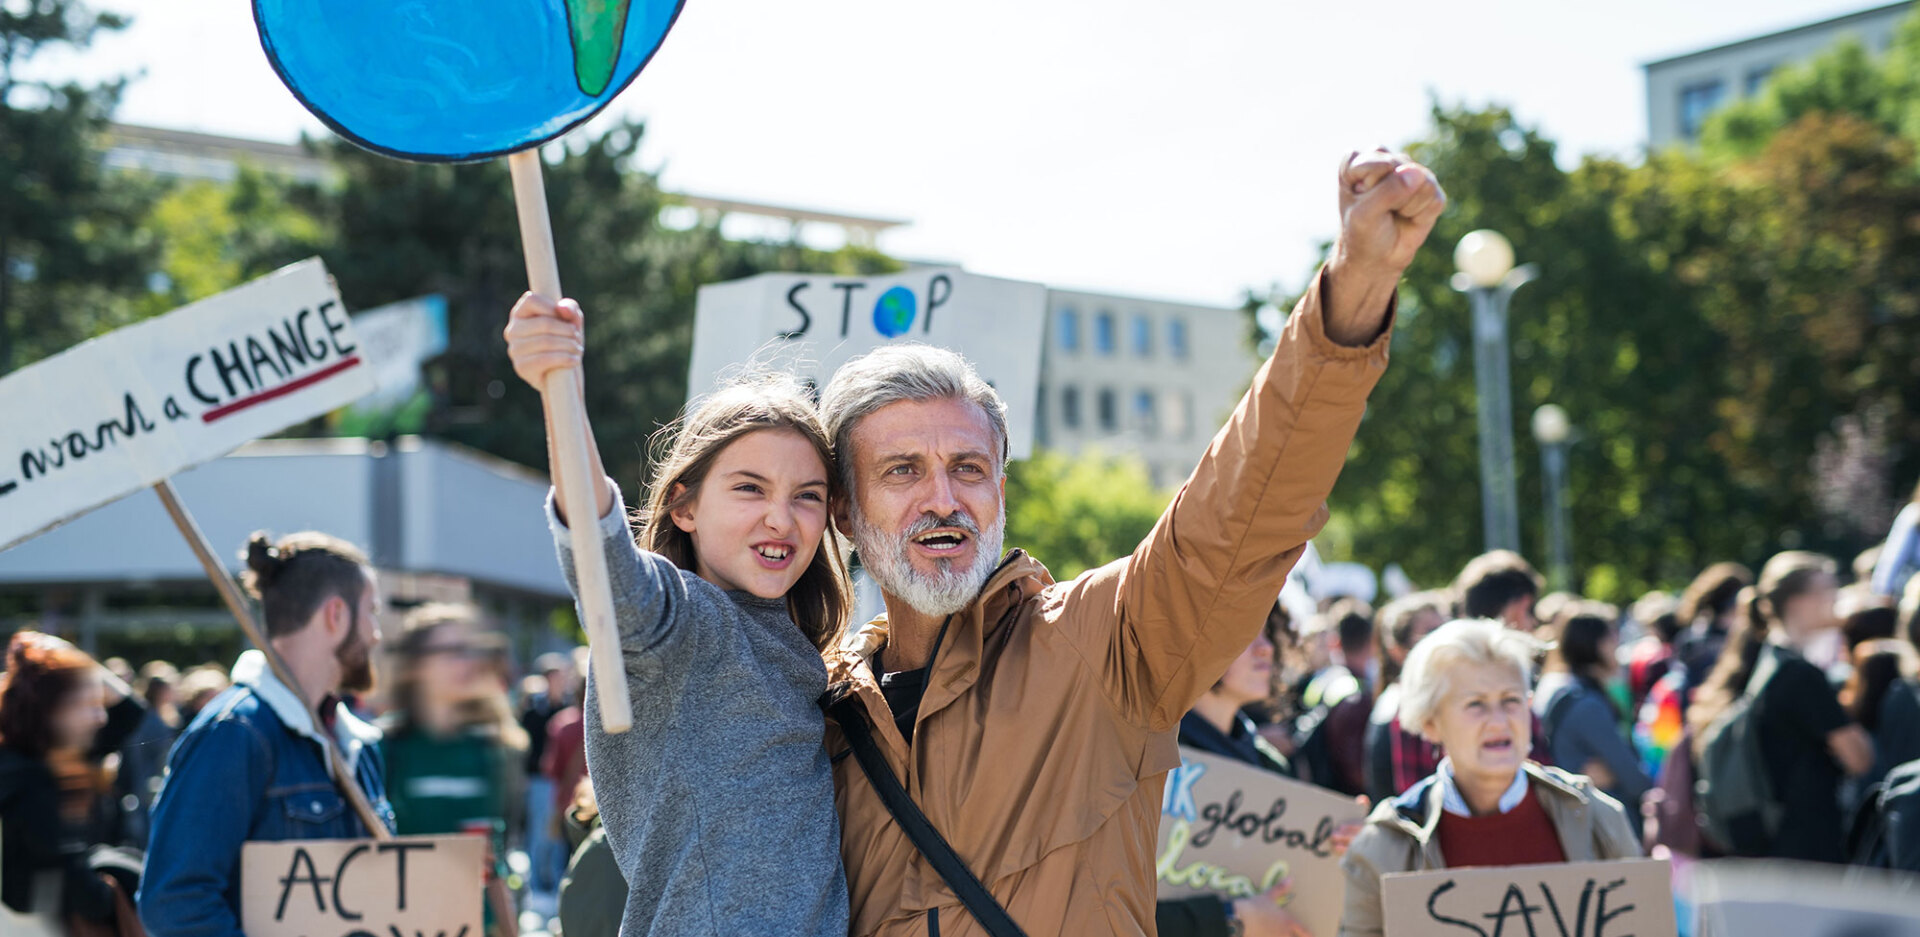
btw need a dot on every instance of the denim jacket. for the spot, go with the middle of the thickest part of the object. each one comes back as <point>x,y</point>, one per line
<point>251,766</point>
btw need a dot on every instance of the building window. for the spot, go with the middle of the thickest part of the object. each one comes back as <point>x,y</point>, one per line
<point>1109,411</point>
<point>1177,338</point>
<point>1070,407</point>
<point>1140,330</point>
<point>1144,414</point>
<point>1103,333</point>
<point>1696,102</point>
<point>1757,79</point>
<point>1067,324</point>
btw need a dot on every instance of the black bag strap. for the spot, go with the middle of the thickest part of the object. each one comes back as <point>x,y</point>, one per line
<point>852,718</point>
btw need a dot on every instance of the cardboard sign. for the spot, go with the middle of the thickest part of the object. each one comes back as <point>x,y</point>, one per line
<point>1747,898</point>
<point>1625,898</point>
<point>1233,830</point>
<point>121,412</point>
<point>811,324</point>
<point>412,886</point>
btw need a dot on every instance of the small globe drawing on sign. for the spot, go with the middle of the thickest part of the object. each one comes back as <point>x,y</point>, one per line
<point>893,314</point>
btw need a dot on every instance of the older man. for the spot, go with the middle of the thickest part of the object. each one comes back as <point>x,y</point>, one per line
<point>1032,721</point>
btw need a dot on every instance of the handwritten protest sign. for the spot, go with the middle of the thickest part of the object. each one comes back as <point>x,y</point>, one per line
<point>1236,831</point>
<point>1748,898</point>
<point>122,412</point>
<point>411,886</point>
<point>811,324</point>
<point>1625,898</point>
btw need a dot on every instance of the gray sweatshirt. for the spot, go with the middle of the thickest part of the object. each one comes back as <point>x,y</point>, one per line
<point>718,803</point>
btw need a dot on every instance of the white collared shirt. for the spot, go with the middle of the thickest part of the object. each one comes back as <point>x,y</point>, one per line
<point>1454,802</point>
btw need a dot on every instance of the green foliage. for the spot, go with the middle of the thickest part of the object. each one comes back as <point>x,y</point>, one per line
<point>1079,513</point>
<point>70,265</point>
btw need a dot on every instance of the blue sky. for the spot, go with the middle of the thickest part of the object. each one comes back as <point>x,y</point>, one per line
<point>1178,150</point>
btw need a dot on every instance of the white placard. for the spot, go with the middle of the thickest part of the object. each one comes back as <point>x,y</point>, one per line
<point>811,324</point>
<point>121,412</point>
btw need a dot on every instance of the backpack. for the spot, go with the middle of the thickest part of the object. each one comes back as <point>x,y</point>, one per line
<point>1886,833</point>
<point>1733,792</point>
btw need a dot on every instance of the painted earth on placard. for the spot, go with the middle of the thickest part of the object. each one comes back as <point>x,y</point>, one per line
<point>450,80</point>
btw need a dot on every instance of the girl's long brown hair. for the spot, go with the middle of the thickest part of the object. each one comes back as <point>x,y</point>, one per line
<point>820,600</point>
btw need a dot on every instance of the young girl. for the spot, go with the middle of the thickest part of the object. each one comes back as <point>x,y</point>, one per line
<point>718,803</point>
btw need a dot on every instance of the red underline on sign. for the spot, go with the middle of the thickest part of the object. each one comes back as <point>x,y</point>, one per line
<point>281,391</point>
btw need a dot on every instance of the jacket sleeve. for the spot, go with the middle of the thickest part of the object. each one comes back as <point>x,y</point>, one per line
<point>648,593</point>
<point>1593,720</point>
<point>1364,915</point>
<point>215,778</point>
<point>1613,835</point>
<point>1163,624</point>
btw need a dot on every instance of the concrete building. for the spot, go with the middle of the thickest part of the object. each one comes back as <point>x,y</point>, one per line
<point>1141,377</point>
<point>440,523</point>
<point>1684,89</point>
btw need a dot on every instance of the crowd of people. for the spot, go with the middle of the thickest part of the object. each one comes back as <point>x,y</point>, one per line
<point>989,756</point>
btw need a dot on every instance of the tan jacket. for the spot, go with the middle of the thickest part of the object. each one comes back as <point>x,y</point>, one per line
<point>1048,724</point>
<point>1400,837</point>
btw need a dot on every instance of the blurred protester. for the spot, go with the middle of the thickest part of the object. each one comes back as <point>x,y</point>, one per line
<point>60,713</point>
<point>1709,608</point>
<point>198,687</point>
<point>1330,734</point>
<point>546,854</point>
<point>1651,656</point>
<point>1583,724</point>
<point>1465,686</point>
<point>1499,585</point>
<point>1803,740</point>
<point>1862,624</point>
<point>254,765</point>
<point>1883,698</point>
<point>564,763</point>
<point>1272,714</point>
<point>592,892</point>
<point>450,735</point>
<point>1401,625</point>
<point>143,757</point>
<point>1899,557</point>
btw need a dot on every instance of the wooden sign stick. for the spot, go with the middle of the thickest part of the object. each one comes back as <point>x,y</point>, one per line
<point>567,414</point>
<point>237,604</point>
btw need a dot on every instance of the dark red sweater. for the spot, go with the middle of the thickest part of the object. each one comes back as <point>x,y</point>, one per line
<point>1521,836</point>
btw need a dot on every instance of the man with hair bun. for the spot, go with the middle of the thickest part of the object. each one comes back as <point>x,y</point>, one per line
<point>254,764</point>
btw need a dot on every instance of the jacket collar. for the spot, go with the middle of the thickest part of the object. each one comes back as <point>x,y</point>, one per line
<point>1417,812</point>
<point>351,733</point>
<point>956,663</point>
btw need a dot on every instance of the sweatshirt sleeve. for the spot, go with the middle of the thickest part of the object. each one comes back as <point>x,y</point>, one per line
<point>649,594</point>
<point>1163,624</point>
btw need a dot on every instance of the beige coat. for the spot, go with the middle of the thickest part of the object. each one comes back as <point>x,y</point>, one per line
<point>1048,724</point>
<point>1400,837</point>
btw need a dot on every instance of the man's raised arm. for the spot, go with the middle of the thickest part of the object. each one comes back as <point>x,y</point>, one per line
<point>1195,592</point>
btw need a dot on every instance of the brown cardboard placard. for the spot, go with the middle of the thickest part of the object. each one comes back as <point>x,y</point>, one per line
<point>1620,898</point>
<point>411,886</point>
<point>1233,830</point>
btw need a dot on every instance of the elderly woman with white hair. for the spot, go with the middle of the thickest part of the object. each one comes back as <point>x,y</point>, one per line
<point>1465,688</point>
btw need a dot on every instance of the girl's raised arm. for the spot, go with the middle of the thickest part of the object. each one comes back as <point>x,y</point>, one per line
<point>543,337</point>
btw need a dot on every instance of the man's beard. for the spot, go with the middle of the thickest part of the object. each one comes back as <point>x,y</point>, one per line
<point>355,658</point>
<point>940,593</point>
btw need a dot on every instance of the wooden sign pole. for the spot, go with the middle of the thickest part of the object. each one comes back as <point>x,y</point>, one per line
<point>567,414</point>
<point>237,604</point>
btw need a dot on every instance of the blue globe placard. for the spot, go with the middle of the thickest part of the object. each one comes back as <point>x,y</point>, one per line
<point>893,313</point>
<point>457,80</point>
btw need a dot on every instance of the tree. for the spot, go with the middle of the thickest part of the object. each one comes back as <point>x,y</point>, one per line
<point>70,261</point>
<point>1078,513</point>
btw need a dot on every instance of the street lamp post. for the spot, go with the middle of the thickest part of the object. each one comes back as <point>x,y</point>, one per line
<point>1552,430</point>
<point>1488,277</point>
